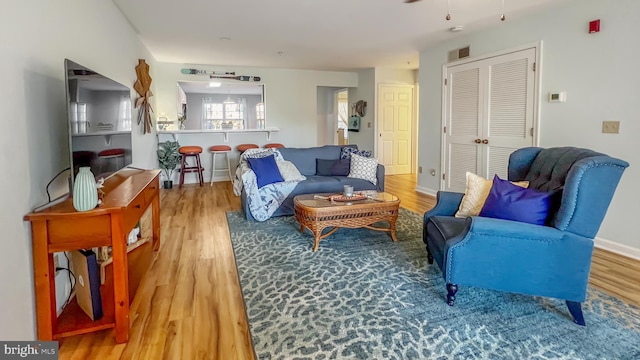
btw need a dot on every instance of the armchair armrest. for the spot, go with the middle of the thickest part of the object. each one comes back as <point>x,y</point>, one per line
<point>519,257</point>
<point>447,203</point>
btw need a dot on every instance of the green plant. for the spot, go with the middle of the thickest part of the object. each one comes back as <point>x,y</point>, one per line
<point>168,157</point>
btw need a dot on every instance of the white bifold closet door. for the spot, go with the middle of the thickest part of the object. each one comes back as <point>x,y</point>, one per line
<point>489,113</point>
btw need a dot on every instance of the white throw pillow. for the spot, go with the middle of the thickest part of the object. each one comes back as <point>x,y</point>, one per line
<point>476,193</point>
<point>289,171</point>
<point>364,168</point>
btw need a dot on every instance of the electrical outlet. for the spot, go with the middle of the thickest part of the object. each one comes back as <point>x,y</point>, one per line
<point>611,127</point>
<point>419,169</point>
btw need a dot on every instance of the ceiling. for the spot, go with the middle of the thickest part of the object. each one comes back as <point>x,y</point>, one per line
<point>309,34</point>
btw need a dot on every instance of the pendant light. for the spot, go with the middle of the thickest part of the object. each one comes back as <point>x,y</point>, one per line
<point>502,17</point>
<point>448,17</point>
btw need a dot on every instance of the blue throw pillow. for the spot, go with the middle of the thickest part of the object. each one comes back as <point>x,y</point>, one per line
<point>266,170</point>
<point>333,167</point>
<point>511,202</point>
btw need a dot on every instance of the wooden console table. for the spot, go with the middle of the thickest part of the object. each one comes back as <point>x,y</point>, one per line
<point>129,193</point>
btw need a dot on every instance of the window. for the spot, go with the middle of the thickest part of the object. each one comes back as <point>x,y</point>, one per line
<point>124,116</point>
<point>78,118</point>
<point>260,115</point>
<point>216,114</point>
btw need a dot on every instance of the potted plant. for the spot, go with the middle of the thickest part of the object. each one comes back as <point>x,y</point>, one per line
<point>168,157</point>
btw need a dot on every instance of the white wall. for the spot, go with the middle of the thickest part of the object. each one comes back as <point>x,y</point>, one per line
<point>396,76</point>
<point>36,37</point>
<point>366,91</point>
<point>600,74</point>
<point>291,105</point>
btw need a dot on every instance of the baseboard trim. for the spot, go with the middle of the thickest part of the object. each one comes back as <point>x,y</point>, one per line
<point>426,191</point>
<point>617,248</point>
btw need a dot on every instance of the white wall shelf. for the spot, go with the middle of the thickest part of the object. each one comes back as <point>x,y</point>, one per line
<point>107,135</point>
<point>177,133</point>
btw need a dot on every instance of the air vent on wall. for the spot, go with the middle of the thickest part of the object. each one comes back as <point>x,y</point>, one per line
<point>461,53</point>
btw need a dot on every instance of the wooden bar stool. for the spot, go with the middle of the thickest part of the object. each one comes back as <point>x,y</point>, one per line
<point>244,147</point>
<point>105,156</point>
<point>220,150</point>
<point>274,145</point>
<point>188,151</point>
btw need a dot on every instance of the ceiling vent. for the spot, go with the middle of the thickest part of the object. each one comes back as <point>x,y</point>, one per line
<point>457,54</point>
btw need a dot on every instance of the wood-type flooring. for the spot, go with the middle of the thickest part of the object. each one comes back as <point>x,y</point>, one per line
<point>190,306</point>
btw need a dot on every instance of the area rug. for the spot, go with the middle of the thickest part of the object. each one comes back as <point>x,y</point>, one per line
<point>362,296</point>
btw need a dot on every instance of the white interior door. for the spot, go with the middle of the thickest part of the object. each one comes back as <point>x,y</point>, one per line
<point>463,125</point>
<point>488,113</point>
<point>395,119</point>
<point>509,114</point>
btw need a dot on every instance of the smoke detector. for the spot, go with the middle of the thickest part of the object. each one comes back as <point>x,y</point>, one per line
<point>456,28</point>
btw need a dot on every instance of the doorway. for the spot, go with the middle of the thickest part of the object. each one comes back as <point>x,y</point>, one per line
<point>341,116</point>
<point>395,128</point>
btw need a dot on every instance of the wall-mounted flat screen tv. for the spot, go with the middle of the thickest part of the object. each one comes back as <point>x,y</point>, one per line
<point>99,113</point>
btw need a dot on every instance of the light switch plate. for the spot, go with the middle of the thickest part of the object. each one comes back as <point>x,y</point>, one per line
<point>611,127</point>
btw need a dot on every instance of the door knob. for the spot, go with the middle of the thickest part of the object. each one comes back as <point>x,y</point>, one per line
<point>477,141</point>
<point>485,141</point>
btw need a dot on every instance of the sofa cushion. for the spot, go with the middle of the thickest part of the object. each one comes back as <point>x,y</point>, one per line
<point>266,170</point>
<point>260,153</point>
<point>364,168</point>
<point>305,158</point>
<point>347,151</point>
<point>289,171</point>
<point>511,202</point>
<point>332,167</point>
<point>476,194</point>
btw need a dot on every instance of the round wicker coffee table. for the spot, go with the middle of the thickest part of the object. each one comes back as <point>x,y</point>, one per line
<point>316,212</point>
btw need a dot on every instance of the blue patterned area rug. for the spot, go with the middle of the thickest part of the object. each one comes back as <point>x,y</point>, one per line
<point>362,296</point>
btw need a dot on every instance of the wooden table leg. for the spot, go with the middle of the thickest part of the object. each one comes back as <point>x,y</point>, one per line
<point>316,239</point>
<point>44,282</point>
<point>120,280</point>
<point>392,227</point>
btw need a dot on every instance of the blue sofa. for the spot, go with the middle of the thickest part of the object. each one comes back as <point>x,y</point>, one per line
<point>551,260</point>
<point>305,160</point>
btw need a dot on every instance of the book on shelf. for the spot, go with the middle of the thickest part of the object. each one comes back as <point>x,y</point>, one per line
<point>87,273</point>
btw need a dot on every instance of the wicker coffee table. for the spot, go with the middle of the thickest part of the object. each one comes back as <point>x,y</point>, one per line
<point>315,213</point>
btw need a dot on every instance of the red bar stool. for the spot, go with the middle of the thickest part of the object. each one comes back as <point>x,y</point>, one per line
<point>188,151</point>
<point>274,145</point>
<point>105,156</point>
<point>220,150</point>
<point>244,147</point>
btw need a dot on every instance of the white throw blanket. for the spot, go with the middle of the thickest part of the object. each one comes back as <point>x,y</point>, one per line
<point>264,201</point>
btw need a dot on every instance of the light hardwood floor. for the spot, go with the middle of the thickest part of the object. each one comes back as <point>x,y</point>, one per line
<point>190,306</point>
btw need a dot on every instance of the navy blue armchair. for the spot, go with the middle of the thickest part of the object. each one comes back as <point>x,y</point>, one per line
<point>552,260</point>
